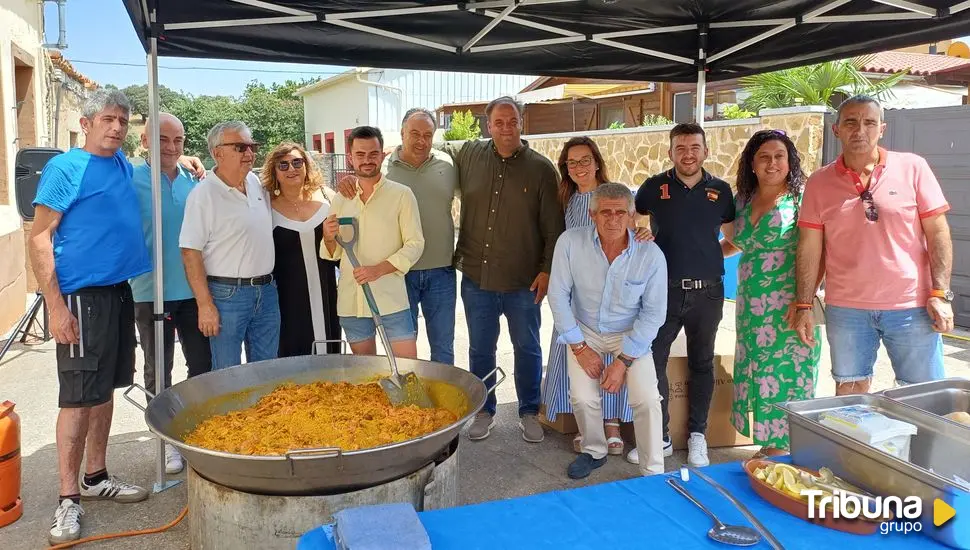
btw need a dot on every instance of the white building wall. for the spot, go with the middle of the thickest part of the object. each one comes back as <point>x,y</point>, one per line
<point>404,89</point>
<point>334,109</point>
<point>21,24</point>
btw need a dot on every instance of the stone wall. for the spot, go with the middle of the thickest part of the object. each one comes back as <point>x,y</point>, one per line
<point>634,154</point>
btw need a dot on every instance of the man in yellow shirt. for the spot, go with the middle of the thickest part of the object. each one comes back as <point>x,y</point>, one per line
<point>389,242</point>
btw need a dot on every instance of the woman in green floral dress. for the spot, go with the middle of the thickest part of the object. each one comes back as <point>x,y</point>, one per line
<point>771,364</point>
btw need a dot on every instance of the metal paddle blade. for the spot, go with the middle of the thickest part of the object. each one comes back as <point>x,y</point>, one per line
<point>407,389</point>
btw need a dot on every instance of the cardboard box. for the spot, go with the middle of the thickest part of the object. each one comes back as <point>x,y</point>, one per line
<point>720,431</point>
<point>565,422</point>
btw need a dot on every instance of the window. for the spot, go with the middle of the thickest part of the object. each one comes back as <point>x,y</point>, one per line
<point>610,114</point>
<point>714,105</point>
<point>73,138</point>
<point>317,143</point>
<point>683,107</point>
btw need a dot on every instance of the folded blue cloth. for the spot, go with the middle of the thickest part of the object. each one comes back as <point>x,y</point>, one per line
<point>381,527</point>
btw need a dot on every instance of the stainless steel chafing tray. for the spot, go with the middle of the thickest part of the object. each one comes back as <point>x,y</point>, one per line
<point>939,451</point>
<point>939,397</point>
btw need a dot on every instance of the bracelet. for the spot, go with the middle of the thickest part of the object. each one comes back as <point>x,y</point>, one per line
<point>582,347</point>
<point>801,307</point>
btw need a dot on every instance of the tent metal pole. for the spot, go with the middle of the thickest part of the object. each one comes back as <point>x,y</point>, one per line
<point>702,31</point>
<point>159,301</point>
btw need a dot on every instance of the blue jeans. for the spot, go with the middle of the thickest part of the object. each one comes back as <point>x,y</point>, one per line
<point>437,291</point>
<point>247,314</point>
<point>915,349</point>
<point>482,311</point>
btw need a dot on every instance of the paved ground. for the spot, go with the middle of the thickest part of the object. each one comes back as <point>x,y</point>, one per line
<point>502,466</point>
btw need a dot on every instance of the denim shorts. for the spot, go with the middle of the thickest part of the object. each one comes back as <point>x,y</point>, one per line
<point>398,326</point>
<point>914,348</point>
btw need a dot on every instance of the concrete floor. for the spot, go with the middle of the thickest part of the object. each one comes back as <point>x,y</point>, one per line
<point>501,466</point>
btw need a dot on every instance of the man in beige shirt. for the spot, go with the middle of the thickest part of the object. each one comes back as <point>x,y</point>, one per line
<point>389,242</point>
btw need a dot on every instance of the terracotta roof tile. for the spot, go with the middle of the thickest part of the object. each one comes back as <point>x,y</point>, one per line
<point>57,59</point>
<point>918,64</point>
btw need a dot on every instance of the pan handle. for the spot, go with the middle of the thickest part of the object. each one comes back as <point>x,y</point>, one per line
<point>147,393</point>
<point>314,346</point>
<point>497,382</point>
<point>326,452</point>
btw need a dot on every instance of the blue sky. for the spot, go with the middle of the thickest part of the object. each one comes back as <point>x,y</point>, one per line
<point>100,31</point>
<point>102,44</point>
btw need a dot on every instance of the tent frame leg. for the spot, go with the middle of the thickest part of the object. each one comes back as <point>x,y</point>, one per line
<point>159,305</point>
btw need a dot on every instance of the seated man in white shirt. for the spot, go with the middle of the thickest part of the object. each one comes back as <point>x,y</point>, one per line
<point>608,295</point>
<point>227,248</point>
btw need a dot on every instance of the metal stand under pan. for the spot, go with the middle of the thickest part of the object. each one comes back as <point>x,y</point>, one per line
<point>224,518</point>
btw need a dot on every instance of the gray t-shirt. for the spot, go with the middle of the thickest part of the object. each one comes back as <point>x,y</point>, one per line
<point>434,184</point>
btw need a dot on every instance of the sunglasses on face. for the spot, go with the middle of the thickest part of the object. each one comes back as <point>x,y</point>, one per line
<point>871,213</point>
<point>284,165</point>
<point>242,147</point>
<point>584,162</point>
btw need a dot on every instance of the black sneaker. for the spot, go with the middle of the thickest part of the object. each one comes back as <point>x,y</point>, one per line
<point>584,465</point>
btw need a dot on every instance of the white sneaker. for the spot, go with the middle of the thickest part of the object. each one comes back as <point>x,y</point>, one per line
<point>113,489</point>
<point>697,450</point>
<point>668,448</point>
<point>633,457</point>
<point>67,522</point>
<point>173,460</point>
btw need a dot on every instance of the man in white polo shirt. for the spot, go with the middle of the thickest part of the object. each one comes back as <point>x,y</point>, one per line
<point>227,248</point>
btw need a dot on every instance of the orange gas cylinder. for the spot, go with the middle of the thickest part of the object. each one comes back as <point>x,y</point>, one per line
<point>11,507</point>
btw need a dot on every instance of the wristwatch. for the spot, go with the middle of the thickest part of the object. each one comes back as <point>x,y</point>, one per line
<point>628,361</point>
<point>944,294</point>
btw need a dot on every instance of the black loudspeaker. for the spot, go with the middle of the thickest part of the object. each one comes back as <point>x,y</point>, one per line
<point>27,168</point>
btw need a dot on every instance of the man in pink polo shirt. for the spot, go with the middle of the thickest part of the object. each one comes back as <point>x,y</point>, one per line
<point>887,255</point>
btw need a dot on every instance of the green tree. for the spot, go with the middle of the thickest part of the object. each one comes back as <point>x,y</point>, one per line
<point>813,85</point>
<point>130,144</point>
<point>138,95</point>
<point>463,126</point>
<point>273,113</point>
<point>199,114</point>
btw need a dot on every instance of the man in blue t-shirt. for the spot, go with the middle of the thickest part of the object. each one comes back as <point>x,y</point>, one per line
<point>85,244</point>
<point>180,309</point>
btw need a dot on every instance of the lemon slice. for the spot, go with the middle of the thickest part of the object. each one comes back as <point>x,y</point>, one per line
<point>771,478</point>
<point>788,481</point>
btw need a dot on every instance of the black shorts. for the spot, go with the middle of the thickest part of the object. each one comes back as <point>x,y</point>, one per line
<point>104,358</point>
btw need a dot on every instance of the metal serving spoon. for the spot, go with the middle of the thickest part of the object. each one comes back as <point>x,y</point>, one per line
<point>735,535</point>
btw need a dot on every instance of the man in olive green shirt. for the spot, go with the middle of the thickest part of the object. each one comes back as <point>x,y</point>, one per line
<point>511,219</point>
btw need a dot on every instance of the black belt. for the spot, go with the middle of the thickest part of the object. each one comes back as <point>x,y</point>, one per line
<point>694,284</point>
<point>242,281</point>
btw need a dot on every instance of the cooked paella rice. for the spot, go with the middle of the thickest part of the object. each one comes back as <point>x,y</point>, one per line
<point>320,414</point>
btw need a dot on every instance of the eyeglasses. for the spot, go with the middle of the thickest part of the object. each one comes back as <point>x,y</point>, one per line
<point>242,147</point>
<point>284,165</point>
<point>779,132</point>
<point>871,213</point>
<point>584,162</point>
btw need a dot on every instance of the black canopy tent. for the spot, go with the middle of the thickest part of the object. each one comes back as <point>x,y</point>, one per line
<point>658,40</point>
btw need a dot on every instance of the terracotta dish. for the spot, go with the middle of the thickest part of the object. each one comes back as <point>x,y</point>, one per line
<point>798,507</point>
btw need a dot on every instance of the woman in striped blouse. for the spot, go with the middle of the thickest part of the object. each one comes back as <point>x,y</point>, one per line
<point>582,169</point>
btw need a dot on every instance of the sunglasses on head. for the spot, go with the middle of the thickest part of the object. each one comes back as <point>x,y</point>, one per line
<point>778,132</point>
<point>871,213</point>
<point>284,165</point>
<point>242,147</point>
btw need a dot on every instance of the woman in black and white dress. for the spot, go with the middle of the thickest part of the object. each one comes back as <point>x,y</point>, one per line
<point>307,284</point>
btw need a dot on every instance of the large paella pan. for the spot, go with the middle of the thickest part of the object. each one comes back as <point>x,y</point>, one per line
<point>175,412</point>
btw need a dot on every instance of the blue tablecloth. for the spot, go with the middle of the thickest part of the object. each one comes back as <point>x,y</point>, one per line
<point>642,512</point>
